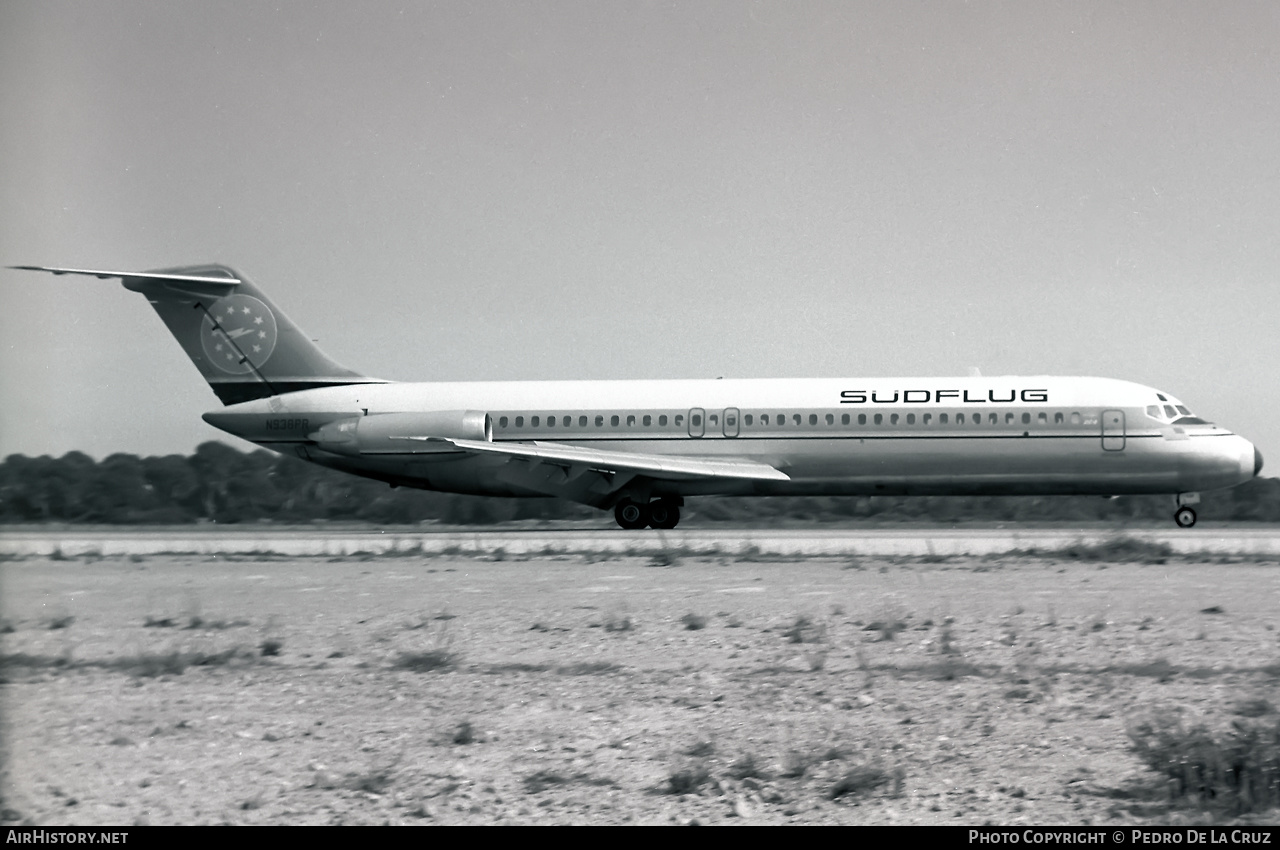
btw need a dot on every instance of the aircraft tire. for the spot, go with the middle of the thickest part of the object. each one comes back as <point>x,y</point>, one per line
<point>663,514</point>
<point>1185,517</point>
<point>631,515</point>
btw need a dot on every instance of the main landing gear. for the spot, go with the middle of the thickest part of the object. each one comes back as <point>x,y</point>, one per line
<point>660,513</point>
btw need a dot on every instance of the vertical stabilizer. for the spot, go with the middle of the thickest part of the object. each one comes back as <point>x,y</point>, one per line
<point>244,345</point>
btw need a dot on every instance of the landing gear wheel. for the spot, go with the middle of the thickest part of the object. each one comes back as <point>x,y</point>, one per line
<point>1185,517</point>
<point>663,514</point>
<point>631,515</point>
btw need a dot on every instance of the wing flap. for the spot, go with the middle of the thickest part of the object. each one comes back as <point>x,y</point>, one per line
<point>653,466</point>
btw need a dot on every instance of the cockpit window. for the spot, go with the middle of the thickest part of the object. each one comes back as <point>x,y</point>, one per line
<point>1176,414</point>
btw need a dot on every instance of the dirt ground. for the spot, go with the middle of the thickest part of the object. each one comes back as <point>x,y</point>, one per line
<point>412,690</point>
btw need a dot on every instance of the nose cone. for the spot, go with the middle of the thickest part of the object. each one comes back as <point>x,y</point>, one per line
<point>1257,462</point>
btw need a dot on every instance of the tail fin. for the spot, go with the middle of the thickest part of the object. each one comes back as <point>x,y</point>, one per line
<point>245,347</point>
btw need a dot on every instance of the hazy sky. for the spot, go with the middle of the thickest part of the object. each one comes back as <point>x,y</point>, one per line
<point>502,190</point>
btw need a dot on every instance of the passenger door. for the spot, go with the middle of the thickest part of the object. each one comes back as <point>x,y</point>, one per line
<point>1113,430</point>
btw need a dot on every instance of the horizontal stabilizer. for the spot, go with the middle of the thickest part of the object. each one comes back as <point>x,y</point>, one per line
<point>652,466</point>
<point>192,284</point>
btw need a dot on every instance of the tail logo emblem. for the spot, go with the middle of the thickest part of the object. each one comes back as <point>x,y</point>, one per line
<point>238,333</point>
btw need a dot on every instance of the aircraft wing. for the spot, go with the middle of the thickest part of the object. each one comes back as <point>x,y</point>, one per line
<point>629,464</point>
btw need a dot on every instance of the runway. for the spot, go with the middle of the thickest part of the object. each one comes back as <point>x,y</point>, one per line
<point>741,543</point>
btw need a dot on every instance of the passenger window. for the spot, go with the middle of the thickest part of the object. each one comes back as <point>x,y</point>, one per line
<point>567,421</point>
<point>844,420</point>
<point>831,419</point>
<point>928,417</point>
<point>662,420</point>
<point>747,420</point>
<point>582,421</point>
<point>796,417</point>
<point>599,421</point>
<point>533,421</point>
<point>631,420</point>
<point>764,419</point>
<point>1057,419</point>
<point>713,419</point>
<point>1042,418</point>
<point>1008,419</point>
<point>959,418</point>
<point>613,420</point>
<point>780,419</point>
<point>730,421</point>
<point>1075,419</point>
<point>911,419</point>
<point>502,422</point>
<point>879,418</point>
<point>942,419</point>
<point>696,420</point>
<point>813,419</point>
<point>648,420</point>
<point>994,419</point>
<point>893,419</point>
<point>679,419</point>
<point>519,421</point>
<point>862,419</point>
<point>551,422</point>
<point>1026,419</point>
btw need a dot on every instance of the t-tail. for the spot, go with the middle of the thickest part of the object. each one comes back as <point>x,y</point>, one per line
<point>244,345</point>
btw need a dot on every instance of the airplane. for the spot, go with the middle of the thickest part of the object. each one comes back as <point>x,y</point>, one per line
<point>639,447</point>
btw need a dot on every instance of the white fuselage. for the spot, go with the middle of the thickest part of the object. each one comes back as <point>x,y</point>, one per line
<point>978,435</point>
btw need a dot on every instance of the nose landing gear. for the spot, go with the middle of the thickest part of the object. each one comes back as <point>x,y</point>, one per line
<point>660,513</point>
<point>1185,515</point>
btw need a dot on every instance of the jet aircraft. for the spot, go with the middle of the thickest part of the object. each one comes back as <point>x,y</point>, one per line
<point>640,447</point>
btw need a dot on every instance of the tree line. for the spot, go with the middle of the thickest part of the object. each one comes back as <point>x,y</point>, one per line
<point>221,484</point>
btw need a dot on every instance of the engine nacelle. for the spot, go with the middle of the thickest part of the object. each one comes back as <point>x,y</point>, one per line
<point>403,433</point>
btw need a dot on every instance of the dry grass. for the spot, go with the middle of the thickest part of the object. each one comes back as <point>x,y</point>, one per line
<point>694,622</point>
<point>804,630</point>
<point>427,660</point>
<point>618,621</point>
<point>1236,771</point>
<point>864,779</point>
<point>688,780</point>
<point>1117,550</point>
